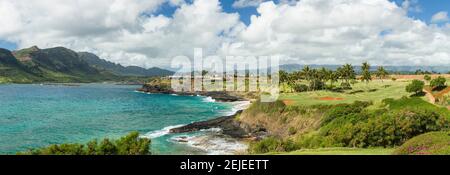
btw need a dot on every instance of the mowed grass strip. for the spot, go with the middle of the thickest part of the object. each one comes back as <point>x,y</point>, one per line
<point>340,151</point>
<point>374,91</point>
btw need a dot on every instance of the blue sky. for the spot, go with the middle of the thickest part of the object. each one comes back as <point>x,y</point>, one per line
<point>427,8</point>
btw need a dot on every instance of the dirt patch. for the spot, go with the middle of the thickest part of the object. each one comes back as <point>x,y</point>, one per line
<point>288,102</point>
<point>331,99</point>
<point>448,107</point>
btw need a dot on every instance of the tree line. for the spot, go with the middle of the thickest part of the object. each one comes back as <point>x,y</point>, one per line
<point>317,79</point>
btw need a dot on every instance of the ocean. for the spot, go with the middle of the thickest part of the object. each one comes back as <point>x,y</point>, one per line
<point>34,115</point>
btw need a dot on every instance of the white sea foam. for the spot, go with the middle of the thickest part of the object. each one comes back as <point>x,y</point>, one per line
<point>159,133</point>
<point>213,143</point>
<point>238,106</point>
<point>209,99</point>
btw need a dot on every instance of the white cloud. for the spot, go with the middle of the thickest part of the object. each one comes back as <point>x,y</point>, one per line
<point>307,31</point>
<point>411,5</point>
<point>440,17</point>
<point>340,31</point>
<point>247,3</point>
<point>117,30</point>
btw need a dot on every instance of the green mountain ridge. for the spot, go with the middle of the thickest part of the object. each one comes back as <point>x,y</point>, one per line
<point>11,67</point>
<point>118,69</point>
<point>62,65</point>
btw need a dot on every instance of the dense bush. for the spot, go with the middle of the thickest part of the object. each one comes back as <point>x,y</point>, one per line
<point>355,125</point>
<point>438,82</point>
<point>427,77</point>
<point>395,128</point>
<point>433,143</point>
<point>300,87</point>
<point>317,85</point>
<point>416,87</point>
<point>128,145</point>
<point>344,111</point>
<point>272,144</point>
<point>352,126</point>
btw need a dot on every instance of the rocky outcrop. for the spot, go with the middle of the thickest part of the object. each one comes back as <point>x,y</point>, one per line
<point>156,88</point>
<point>229,126</point>
<point>219,96</point>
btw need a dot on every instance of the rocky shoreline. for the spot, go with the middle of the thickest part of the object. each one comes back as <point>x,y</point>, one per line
<point>228,124</point>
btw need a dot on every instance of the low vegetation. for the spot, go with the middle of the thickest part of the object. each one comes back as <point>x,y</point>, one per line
<point>433,143</point>
<point>127,145</point>
<point>323,111</point>
<point>338,151</point>
<point>356,125</point>
<point>415,87</point>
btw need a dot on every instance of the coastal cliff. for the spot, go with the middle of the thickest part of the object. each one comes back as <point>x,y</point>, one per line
<point>229,125</point>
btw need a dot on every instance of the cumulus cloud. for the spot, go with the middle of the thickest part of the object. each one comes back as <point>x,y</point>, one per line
<point>305,32</point>
<point>340,31</point>
<point>411,5</point>
<point>440,17</point>
<point>120,30</point>
<point>247,3</point>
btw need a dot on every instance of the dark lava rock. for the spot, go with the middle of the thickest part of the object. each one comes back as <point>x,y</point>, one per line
<point>228,124</point>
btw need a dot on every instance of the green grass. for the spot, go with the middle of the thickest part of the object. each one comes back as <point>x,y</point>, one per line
<point>386,89</point>
<point>416,102</point>
<point>433,143</point>
<point>339,151</point>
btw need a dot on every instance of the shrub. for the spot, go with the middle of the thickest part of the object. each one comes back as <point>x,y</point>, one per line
<point>416,86</point>
<point>395,128</point>
<point>317,85</point>
<point>427,77</point>
<point>300,88</point>
<point>354,126</point>
<point>438,82</point>
<point>433,143</point>
<point>314,141</point>
<point>344,110</point>
<point>128,145</point>
<point>272,144</point>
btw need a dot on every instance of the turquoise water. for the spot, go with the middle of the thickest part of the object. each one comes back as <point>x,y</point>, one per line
<point>33,116</point>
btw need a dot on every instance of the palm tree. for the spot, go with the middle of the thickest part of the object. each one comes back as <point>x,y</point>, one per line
<point>347,72</point>
<point>334,77</point>
<point>315,77</point>
<point>381,73</point>
<point>307,73</point>
<point>366,76</point>
<point>284,76</point>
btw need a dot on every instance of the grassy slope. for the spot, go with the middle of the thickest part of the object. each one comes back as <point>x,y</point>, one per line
<point>429,143</point>
<point>386,89</point>
<point>339,151</point>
